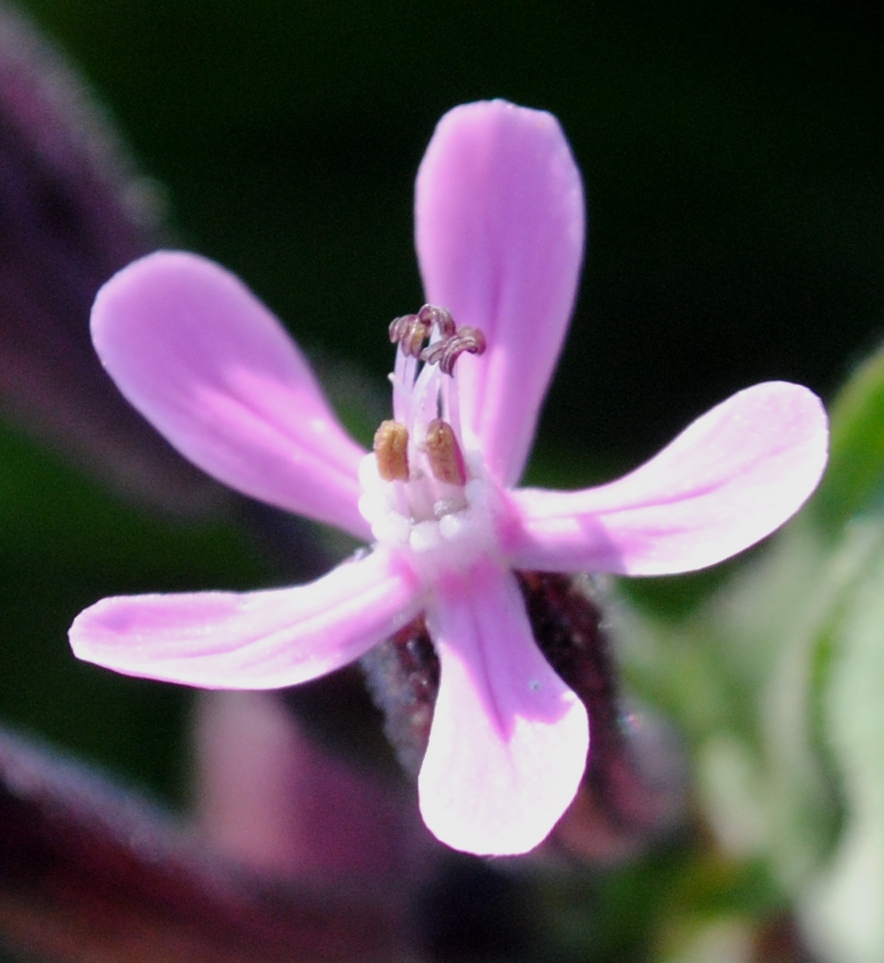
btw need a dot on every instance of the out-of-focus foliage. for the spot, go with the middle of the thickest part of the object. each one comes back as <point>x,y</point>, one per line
<point>777,679</point>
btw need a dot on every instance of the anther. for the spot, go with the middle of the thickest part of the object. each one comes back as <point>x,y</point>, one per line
<point>439,318</point>
<point>445,353</point>
<point>410,331</point>
<point>444,454</point>
<point>391,451</point>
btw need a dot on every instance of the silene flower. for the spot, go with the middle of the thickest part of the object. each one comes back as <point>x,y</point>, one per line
<point>499,233</point>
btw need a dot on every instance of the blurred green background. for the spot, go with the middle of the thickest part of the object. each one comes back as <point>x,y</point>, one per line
<point>733,162</point>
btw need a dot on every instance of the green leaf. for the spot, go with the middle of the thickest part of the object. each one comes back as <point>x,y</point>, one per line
<point>854,481</point>
<point>843,905</point>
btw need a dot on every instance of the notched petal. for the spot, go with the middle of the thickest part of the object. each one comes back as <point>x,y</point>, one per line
<point>509,739</point>
<point>730,479</point>
<point>500,225</point>
<point>211,368</point>
<point>251,640</point>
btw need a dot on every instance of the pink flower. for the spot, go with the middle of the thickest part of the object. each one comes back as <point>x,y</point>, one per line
<point>500,228</point>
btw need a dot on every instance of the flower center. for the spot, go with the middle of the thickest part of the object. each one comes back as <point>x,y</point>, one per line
<point>423,493</point>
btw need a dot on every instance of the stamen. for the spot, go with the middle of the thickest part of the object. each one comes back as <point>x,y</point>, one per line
<point>391,451</point>
<point>444,454</point>
<point>446,352</point>
<point>451,405</point>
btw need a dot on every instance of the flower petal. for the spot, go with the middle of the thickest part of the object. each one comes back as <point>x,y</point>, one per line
<point>211,368</point>
<point>731,478</point>
<point>500,226</point>
<point>509,739</point>
<point>252,640</point>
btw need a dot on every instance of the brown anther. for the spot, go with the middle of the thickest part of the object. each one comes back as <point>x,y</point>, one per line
<point>410,331</point>
<point>444,454</point>
<point>445,353</point>
<point>391,451</point>
<point>439,318</point>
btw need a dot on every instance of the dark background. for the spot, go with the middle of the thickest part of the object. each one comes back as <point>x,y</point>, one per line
<point>732,156</point>
<point>733,162</point>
